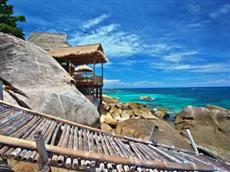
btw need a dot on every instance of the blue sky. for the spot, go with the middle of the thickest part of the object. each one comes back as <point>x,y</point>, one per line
<point>161,43</point>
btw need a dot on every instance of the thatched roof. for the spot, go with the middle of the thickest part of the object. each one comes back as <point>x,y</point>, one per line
<point>48,40</point>
<point>84,54</point>
<point>83,68</point>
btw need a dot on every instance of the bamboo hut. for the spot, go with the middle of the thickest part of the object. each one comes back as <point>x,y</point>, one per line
<point>92,54</point>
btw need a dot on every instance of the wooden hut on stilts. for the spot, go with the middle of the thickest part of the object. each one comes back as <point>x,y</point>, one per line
<point>80,61</point>
<point>88,80</point>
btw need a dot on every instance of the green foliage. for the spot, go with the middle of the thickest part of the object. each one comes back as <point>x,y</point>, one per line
<point>8,22</point>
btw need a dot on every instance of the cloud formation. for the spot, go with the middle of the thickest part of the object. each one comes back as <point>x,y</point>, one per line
<point>224,9</point>
<point>139,84</point>
<point>178,56</point>
<point>204,68</point>
<point>111,81</point>
<point>116,41</point>
<point>95,21</point>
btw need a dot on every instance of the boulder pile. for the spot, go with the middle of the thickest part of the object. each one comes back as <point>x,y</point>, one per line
<point>115,112</point>
<point>137,120</point>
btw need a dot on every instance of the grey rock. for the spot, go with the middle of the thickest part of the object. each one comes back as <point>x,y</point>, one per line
<point>42,84</point>
<point>209,126</point>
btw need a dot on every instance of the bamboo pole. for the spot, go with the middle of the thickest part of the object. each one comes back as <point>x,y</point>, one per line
<point>5,113</point>
<point>192,141</point>
<point>17,124</point>
<point>55,134</point>
<point>43,155</point>
<point>70,146</point>
<point>165,154</point>
<point>8,119</point>
<point>1,89</point>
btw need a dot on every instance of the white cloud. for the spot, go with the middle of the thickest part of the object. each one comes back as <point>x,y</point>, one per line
<point>193,8</point>
<point>177,57</point>
<point>195,25</point>
<point>219,81</point>
<point>146,84</point>
<point>120,84</point>
<point>111,81</point>
<point>205,68</point>
<point>158,48</point>
<point>225,9</point>
<point>95,21</point>
<point>116,42</point>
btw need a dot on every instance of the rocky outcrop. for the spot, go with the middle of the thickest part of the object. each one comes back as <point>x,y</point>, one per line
<point>141,128</point>
<point>147,98</point>
<point>35,80</point>
<point>115,111</point>
<point>136,120</point>
<point>209,126</point>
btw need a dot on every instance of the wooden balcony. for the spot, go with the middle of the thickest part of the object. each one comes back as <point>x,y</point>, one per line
<point>88,81</point>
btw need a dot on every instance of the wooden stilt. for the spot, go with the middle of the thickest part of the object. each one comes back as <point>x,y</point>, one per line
<point>43,155</point>
<point>100,95</point>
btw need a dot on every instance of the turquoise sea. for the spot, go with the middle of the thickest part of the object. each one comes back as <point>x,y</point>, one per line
<point>174,99</point>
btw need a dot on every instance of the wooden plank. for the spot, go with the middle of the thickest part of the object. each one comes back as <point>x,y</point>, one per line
<point>105,158</point>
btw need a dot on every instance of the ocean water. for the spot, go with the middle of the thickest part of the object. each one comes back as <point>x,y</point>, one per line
<point>174,99</point>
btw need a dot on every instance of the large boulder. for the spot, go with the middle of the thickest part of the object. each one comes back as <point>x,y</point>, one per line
<point>209,126</point>
<point>35,80</point>
<point>141,128</point>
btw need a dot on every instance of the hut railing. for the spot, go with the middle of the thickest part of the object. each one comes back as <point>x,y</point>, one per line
<point>96,80</point>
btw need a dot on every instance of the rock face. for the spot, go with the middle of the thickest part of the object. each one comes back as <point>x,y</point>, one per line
<point>35,80</point>
<point>141,128</point>
<point>209,126</point>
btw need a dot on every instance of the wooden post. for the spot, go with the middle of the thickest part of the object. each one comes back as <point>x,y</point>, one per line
<point>97,93</point>
<point>70,68</point>
<point>93,70</point>
<point>100,95</point>
<point>94,61</point>
<point>192,141</point>
<point>1,90</point>
<point>43,155</point>
<point>102,72</point>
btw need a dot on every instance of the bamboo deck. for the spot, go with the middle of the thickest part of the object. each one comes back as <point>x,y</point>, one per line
<point>74,146</point>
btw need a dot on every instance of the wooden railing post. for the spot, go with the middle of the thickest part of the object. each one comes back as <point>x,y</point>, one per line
<point>192,141</point>
<point>1,89</point>
<point>43,155</point>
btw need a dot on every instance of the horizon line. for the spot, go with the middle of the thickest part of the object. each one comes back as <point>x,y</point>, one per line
<point>168,87</point>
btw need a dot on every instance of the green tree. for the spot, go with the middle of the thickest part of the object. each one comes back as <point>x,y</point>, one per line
<point>8,22</point>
